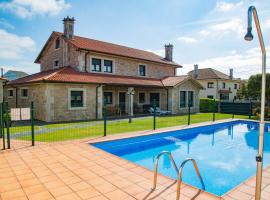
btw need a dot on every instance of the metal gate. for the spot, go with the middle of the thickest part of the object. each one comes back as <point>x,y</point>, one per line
<point>16,126</point>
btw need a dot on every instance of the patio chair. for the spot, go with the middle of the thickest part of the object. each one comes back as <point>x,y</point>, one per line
<point>159,111</point>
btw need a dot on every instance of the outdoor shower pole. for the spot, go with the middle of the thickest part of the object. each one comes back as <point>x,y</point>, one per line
<point>249,37</point>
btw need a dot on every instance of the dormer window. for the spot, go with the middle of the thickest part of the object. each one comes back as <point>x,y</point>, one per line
<point>108,66</point>
<point>142,70</point>
<point>57,43</point>
<point>96,65</point>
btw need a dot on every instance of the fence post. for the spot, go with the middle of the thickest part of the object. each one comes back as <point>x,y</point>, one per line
<point>2,126</point>
<point>155,109</point>
<point>233,111</point>
<point>250,109</point>
<point>214,113</point>
<point>7,121</point>
<point>188,114</point>
<point>105,118</point>
<point>32,123</point>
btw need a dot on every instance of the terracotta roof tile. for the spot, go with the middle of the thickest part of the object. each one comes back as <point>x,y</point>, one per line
<point>113,49</point>
<point>209,73</point>
<point>174,80</point>
<point>68,74</point>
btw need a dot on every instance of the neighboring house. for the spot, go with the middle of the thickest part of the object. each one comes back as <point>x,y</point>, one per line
<point>78,74</point>
<point>216,84</point>
<point>12,75</point>
<point>2,82</point>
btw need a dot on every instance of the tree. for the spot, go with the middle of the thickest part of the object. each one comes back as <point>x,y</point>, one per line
<point>242,92</point>
<point>255,87</point>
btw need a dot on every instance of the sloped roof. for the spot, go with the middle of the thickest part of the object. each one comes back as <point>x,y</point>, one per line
<point>110,48</point>
<point>176,80</point>
<point>70,75</point>
<point>209,73</point>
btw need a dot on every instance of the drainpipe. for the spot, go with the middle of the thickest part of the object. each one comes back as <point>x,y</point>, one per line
<point>16,99</point>
<point>167,98</point>
<point>97,100</point>
<point>85,61</point>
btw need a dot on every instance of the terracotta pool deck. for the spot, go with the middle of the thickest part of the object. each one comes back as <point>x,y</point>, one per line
<point>76,170</point>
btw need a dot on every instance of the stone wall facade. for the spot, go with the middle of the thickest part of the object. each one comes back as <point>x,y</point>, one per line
<point>68,55</point>
<point>174,98</point>
<point>36,93</point>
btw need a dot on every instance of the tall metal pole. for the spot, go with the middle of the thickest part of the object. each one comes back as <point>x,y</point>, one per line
<point>259,157</point>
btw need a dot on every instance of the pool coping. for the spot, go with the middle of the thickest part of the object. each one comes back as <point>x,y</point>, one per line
<point>169,129</point>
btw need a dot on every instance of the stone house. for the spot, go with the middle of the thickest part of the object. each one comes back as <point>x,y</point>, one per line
<point>216,84</point>
<point>78,74</point>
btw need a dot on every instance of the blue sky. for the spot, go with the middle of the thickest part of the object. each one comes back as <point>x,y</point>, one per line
<point>209,33</point>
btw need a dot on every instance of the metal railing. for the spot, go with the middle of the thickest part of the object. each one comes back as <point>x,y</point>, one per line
<point>178,171</point>
<point>179,179</point>
<point>156,166</point>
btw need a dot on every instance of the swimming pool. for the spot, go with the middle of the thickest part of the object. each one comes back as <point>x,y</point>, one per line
<point>225,153</point>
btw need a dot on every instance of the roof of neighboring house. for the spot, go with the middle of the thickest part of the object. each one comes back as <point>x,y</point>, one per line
<point>109,48</point>
<point>17,74</point>
<point>209,73</point>
<point>176,80</point>
<point>70,75</point>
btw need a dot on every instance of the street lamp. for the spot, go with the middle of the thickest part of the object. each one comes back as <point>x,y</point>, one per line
<point>249,37</point>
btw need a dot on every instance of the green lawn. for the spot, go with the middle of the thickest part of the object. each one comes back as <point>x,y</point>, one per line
<point>68,131</point>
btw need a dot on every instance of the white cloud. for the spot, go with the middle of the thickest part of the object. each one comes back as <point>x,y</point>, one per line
<point>12,46</point>
<point>29,8</point>
<point>234,25</point>
<point>6,24</point>
<point>223,6</point>
<point>244,64</point>
<point>187,39</point>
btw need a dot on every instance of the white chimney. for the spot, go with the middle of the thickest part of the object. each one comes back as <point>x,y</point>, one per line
<point>169,52</point>
<point>68,27</point>
<point>196,71</point>
<point>231,73</point>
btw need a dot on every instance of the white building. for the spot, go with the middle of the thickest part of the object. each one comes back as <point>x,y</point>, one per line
<point>216,84</point>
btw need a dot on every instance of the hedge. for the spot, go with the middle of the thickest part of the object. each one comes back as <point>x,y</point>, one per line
<point>208,105</point>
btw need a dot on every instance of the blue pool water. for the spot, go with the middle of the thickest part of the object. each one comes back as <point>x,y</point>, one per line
<point>225,153</point>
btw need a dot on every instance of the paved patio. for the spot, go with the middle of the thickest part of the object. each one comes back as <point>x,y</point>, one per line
<point>76,170</point>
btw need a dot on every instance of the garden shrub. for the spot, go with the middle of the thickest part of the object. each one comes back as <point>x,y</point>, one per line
<point>208,105</point>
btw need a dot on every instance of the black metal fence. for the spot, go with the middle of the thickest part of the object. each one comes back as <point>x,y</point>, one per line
<point>18,127</point>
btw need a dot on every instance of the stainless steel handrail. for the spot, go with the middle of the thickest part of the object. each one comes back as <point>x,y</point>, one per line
<point>179,180</point>
<point>156,166</point>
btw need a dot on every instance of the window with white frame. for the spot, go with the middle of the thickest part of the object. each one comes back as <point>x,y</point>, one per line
<point>210,85</point>
<point>24,92</point>
<point>142,70</point>
<point>108,66</point>
<point>223,85</point>
<point>235,86</point>
<point>96,65</point>
<point>77,98</point>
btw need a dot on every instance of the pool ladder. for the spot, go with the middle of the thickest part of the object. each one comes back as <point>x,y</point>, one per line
<point>178,171</point>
